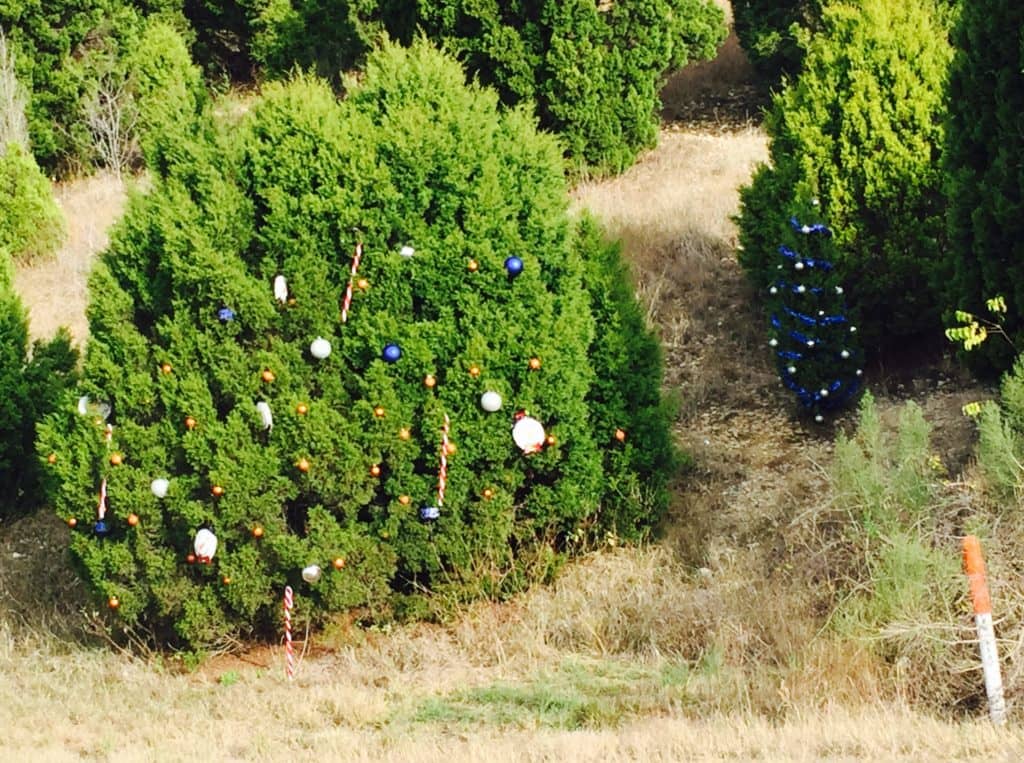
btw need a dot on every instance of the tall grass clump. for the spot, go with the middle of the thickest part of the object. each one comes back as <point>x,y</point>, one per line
<point>895,557</point>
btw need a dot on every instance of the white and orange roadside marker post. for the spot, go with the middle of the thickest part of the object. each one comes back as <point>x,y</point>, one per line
<point>974,566</point>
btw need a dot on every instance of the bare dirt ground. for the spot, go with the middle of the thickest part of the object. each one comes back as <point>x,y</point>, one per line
<point>55,290</point>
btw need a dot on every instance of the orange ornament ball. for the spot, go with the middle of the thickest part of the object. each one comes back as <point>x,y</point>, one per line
<point>217,490</point>
<point>190,423</point>
<point>534,364</point>
<point>267,375</point>
<point>257,532</point>
<point>72,522</point>
<point>429,381</point>
<point>474,371</point>
<point>226,580</point>
<point>166,368</point>
<point>113,602</point>
<point>488,493</point>
<point>339,563</point>
<point>378,412</point>
<point>302,409</point>
<point>133,520</point>
<point>404,500</point>
<point>473,266</point>
<point>302,465</point>
<point>551,440</point>
<point>375,470</point>
<point>190,558</point>
<point>116,459</point>
<point>620,435</point>
<point>363,284</point>
<point>451,449</point>
<point>52,458</point>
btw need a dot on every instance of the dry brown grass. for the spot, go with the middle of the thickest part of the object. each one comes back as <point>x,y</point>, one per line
<point>55,290</point>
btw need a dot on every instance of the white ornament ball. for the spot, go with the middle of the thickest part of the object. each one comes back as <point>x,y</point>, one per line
<point>773,290</point>
<point>773,342</point>
<point>205,544</point>
<point>820,313</point>
<point>159,486</point>
<point>801,289</point>
<point>266,417</point>
<point>312,573</point>
<point>528,434</point>
<point>490,401</point>
<point>853,329</point>
<point>791,369</point>
<point>819,418</point>
<point>845,354</point>
<point>860,372</point>
<point>810,342</point>
<point>799,265</point>
<point>839,290</point>
<point>320,348</point>
<point>407,251</point>
<point>824,393</point>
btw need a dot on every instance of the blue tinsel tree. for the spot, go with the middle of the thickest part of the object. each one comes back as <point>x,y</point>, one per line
<point>814,342</point>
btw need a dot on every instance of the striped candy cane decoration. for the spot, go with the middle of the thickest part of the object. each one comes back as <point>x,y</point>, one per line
<point>347,302</point>
<point>442,477</point>
<point>289,653</point>
<point>101,509</point>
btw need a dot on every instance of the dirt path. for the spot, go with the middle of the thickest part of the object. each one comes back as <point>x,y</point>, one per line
<point>55,291</point>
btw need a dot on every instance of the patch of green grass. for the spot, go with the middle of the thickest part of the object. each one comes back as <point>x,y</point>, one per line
<point>577,694</point>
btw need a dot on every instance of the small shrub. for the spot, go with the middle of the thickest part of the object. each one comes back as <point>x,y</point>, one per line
<point>31,223</point>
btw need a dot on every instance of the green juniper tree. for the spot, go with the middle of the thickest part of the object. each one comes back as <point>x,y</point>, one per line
<point>352,342</point>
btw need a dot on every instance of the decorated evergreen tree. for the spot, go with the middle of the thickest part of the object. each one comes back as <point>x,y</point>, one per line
<point>346,347</point>
<point>814,342</point>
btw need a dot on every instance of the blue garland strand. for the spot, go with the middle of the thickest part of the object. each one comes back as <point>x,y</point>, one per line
<point>808,262</point>
<point>806,229</point>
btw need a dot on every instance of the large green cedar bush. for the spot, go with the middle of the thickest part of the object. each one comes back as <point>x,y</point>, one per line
<point>860,129</point>
<point>31,223</point>
<point>985,165</point>
<point>412,158</point>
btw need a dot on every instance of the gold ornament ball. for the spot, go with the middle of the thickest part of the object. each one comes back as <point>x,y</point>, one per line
<point>291,301</point>
<point>474,371</point>
<point>375,470</point>
<point>226,580</point>
<point>404,500</point>
<point>451,449</point>
<point>166,368</point>
<point>116,459</point>
<point>429,381</point>
<point>339,563</point>
<point>620,435</point>
<point>378,412</point>
<point>302,409</point>
<point>362,284</point>
<point>488,493</point>
<point>267,375</point>
<point>534,364</point>
<point>551,439</point>
<point>473,266</point>
<point>404,433</point>
<point>257,532</point>
<point>72,522</point>
<point>190,423</point>
<point>217,490</point>
<point>113,602</point>
<point>52,458</point>
<point>133,520</point>
<point>302,465</point>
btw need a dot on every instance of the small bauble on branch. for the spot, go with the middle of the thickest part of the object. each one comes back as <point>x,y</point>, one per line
<point>320,348</point>
<point>391,353</point>
<point>513,265</point>
<point>490,401</point>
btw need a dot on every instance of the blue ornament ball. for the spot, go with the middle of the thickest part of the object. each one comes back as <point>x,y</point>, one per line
<point>100,528</point>
<point>429,512</point>
<point>226,315</point>
<point>513,265</point>
<point>391,353</point>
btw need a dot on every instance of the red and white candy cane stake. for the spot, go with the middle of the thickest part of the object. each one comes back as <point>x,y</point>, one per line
<point>289,653</point>
<point>974,566</point>
<point>442,476</point>
<point>101,509</point>
<point>347,302</point>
